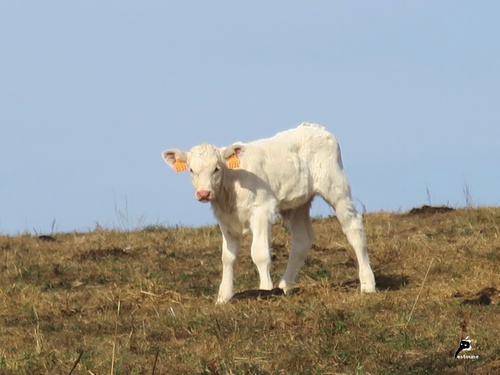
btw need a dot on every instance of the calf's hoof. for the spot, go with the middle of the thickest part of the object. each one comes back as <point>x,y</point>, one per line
<point>368,288</point>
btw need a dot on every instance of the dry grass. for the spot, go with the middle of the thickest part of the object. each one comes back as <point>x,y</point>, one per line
<point>143,302</point>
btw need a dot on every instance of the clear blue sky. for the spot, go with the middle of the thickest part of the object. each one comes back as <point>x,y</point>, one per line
<point>91,93</point>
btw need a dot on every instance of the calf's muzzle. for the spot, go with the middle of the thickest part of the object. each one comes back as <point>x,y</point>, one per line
<point>204,195</point>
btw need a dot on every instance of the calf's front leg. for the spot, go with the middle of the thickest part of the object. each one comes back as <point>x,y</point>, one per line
<point>261,253</point>
<point>230,248</point>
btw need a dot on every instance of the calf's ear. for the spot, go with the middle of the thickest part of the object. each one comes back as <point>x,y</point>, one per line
<point>176,159</point>
<point>232,155</point>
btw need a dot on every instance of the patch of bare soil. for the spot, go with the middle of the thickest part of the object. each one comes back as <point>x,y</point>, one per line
<point>430,210</point>
<point>484,297</point>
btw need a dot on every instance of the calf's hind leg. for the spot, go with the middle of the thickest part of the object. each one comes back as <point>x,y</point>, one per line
<point>334,187</point>
<point>300,226</point>
<point>352,226</point>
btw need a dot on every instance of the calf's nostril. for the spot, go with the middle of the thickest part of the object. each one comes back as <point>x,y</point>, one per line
<point>203,194</point>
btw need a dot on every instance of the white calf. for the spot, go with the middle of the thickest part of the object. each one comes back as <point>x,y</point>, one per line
<point>248,184</point>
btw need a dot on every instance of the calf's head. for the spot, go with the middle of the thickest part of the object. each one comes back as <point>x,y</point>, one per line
<point>206,164</point>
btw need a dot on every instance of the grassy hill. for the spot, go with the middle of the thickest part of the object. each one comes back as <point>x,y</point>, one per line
<point>142,302</point>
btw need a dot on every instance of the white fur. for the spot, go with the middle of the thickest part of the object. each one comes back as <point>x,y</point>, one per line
<point>278,175</point>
